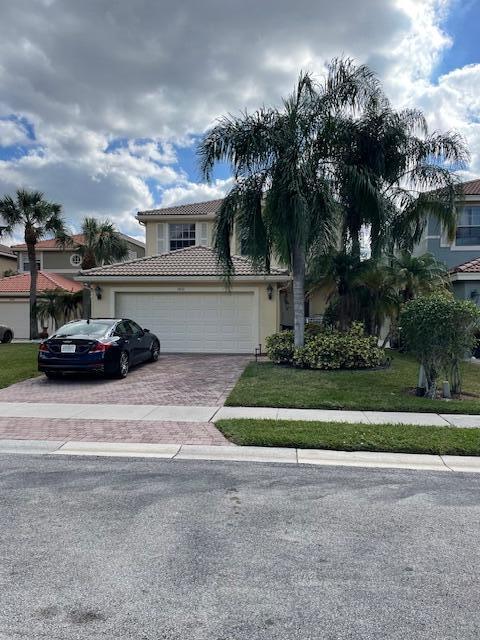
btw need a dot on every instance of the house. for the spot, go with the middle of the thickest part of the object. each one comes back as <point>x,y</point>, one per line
<point>178,289</point>
<point>66,261</point>
<point>8,260</point>
<point>462,255</point>
<point>14,298</point>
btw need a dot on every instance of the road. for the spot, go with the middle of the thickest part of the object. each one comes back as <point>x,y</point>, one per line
<point>167,550</point>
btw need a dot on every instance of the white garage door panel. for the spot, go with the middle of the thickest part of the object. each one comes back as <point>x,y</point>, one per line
<point>195,322</point>
<point>16,315</point>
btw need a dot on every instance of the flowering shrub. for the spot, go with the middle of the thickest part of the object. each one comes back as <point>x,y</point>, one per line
<point>327,350</point>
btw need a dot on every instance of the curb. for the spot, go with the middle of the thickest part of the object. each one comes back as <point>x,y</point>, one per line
<point>319,457</point>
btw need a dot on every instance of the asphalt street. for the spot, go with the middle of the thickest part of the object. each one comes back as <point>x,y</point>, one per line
<point>185,550</point>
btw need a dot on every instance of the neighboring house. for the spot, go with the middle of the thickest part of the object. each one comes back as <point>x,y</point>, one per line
<point>178,290</point>
<point>8,260</point>
<point>66,261</point>
<point>462,256</point>
<point>14,298</point>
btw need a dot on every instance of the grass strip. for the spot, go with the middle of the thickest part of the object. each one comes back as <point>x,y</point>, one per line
<point>352,437</point>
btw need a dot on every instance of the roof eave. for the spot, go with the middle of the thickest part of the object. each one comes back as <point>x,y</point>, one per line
<point>237,278</point>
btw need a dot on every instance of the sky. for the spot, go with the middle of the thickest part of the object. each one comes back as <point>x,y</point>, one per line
<point>103,101</point>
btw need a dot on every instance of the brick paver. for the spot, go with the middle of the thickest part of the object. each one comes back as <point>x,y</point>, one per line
<point>173,380</point>
<point>111,431</point>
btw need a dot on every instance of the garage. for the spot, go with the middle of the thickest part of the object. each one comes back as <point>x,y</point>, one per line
<point>14,312</point>
<point>194,322</point>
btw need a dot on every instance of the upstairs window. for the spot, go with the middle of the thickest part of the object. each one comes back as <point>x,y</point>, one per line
<point>468,227</point>
<point>26,265</point>
<point>181,236</point>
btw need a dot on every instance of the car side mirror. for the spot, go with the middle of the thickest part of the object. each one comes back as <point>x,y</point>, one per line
<point>146,331</point>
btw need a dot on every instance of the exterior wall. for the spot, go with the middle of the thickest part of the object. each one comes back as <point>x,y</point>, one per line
<point>467,290</point>
<point>15,313</point>
<point>434,241</point>
<point>7,264</point>
<point>151,231</point>
<point>268,310</point>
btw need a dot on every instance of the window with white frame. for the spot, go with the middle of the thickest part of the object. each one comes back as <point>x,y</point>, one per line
<point>468,227</point>
<point>181,235</point>
<point>132,255</point>
<point>75,259</point>
<point>26,265</point>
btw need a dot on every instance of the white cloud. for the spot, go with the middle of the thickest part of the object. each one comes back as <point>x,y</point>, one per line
<point>152,74</point>
<point>195,192</point>
<point>12,133</point>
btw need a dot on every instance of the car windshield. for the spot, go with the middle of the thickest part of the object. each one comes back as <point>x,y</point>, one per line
<point>83,328</point>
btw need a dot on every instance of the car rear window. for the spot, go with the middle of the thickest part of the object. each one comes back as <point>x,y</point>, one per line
<point>94,329</point>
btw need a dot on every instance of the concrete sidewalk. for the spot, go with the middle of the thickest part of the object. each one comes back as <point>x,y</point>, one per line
<point>202,414</point>
<point>320,457</point>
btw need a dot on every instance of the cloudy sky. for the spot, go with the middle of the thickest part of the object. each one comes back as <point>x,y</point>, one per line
<point>102,101</point>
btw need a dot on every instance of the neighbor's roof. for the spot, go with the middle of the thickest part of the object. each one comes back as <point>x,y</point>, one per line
<point>21,283</point>
<point>471,188</point>
<point>191,261</point>
<point>471,266</point>
<point>77,238</point>
<point>6,251</point>
<point>193,209</point>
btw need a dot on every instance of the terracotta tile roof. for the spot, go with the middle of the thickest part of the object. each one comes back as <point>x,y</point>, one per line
<point>21,283</point>
<point>193,209</point>
<point>6,251</point>
<point>191,261</point>
<point>471,266</point>
<point>51,243</point>
<point>471,188</point>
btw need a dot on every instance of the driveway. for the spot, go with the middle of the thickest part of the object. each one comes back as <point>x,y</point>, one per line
<point>188,380</point>
<point>169,550</point>
<point>173,380</point>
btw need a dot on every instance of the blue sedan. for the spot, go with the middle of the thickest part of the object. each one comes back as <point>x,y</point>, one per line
<point>102,345</point>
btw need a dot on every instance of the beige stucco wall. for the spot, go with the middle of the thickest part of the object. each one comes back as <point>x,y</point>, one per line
<point>268,311</point>
<point>7,264</point>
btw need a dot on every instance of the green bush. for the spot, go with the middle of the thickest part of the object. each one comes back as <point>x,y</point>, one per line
<point>440,331</point>
<point>280,347</point>
<point>327,349</point>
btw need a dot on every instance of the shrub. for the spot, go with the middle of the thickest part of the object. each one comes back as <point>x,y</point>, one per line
<point>327,349</point>
<point>440,331</point>
<point>280,347</point>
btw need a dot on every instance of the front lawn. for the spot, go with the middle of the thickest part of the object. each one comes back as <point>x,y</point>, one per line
<point>17,362</point>
<point>352,437</point>
<point>268,385</point>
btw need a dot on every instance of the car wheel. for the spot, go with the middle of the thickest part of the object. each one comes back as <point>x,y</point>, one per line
<point>53,375</point>
<point>155,351</point>
<point>123,365</point>
<point>7,337</point>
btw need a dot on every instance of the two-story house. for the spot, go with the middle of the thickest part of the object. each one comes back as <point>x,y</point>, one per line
<point>179,292</point>
<point>66,261</point>
<point>462,255</point>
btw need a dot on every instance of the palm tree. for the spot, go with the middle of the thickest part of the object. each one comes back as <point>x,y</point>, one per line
<point>59,305</point>
<point>282,202</point>
<point>394,174</point>
<point>418,275</point>
<point>39,218</point>
<point>102,243</point>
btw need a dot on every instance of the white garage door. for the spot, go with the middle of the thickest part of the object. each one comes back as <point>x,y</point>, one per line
<point>195,322</point>
<point>16,315</point>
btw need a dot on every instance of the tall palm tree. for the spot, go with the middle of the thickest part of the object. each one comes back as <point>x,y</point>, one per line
<point>394,174</point>
<point>39,218</point>
<point>282,202</point>
<point>102,243</point>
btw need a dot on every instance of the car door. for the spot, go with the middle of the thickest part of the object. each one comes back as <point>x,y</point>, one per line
<point>140,341</point>
<point>124,331</point>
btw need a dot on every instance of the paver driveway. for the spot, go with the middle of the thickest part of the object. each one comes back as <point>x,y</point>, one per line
<point>173,380</point>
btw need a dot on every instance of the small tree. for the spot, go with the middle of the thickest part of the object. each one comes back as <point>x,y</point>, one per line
<point>440,331</point>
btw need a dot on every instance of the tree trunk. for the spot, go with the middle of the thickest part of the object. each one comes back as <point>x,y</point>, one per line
<point>32,260</point>
<point>298,268</point>
<point>86,303</point>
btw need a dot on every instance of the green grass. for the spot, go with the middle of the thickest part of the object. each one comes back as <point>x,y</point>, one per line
<point>269,385</point>
<point>17,362</point>
<point>352,437</point>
